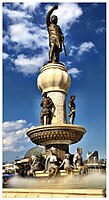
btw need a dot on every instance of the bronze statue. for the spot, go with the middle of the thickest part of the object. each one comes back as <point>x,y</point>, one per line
<point>71,105</point>
<point>46,112</point>
<point>67,166</point>
<point>78,162</point>
<point>77,159</point>
<point>56,38</point>
<point>51,164</point>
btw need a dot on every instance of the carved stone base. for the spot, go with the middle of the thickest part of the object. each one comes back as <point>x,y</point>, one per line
<point>50,135</point>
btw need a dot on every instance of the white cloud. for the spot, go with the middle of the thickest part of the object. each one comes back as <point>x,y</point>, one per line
<point>6,39</point>
<point>78,51</point>
<point>74,72</point>
<point>5,56</point>
<point>14,135</point>
<point>23,31</point>
<point>28,65</point>
<point>72,49</point>
<point>15,14</point>
<point>68,63</point>
<point>8,143</point>
<point>13,125</point>
<point>100,30</point>
<point>28,35</point>
<point>85,47</point>
<point>67,13</point>
<point>24,11</point>
<point>32,37</point>
<point>30,5</point>
<point>20,33</point>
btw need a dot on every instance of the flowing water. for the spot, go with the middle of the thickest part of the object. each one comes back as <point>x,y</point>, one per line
<point>91,181</point>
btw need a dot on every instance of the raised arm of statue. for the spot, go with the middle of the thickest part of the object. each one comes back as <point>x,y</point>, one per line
<point>49,14</point>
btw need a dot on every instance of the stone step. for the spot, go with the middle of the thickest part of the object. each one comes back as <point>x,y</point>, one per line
<point>50,193</point>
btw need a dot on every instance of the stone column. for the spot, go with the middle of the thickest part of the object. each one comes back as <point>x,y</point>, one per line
<point>54,80</point>
<point>58,99</point>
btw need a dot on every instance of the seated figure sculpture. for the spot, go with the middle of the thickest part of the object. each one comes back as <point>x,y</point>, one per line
<point>78,162</point>
<point>77,159</point>
<point>34,165</point>
<point>46,112</point>
<point>51,164</point>
<point>66,162</point>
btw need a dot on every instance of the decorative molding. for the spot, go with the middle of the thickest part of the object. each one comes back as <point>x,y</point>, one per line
<point>64,134</point>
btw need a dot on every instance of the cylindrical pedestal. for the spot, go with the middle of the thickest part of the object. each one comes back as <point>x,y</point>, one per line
<point>55,80</point>
<point>59,99</point>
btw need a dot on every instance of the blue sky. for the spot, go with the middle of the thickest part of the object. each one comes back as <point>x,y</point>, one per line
<point>25,50</point>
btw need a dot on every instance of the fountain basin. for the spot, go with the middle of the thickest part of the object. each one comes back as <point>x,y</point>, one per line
<point>56,134</point>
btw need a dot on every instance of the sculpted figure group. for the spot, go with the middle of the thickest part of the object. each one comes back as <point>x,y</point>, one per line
<point>52,164</point>
<point>48,109</point>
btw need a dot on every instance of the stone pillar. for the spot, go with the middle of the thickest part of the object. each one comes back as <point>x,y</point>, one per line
<point>54,80</point>
<point>58,99</point>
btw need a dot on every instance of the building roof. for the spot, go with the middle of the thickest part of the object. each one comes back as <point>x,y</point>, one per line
<point>37,151</point>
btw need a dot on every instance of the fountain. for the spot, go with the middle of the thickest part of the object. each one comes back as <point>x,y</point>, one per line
<point>54,82</point>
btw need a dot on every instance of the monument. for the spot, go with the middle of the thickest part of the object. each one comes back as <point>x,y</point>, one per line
<point>54,82</point>
<point>54,133</point>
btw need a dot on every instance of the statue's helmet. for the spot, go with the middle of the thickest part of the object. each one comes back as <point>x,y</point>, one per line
<point>54,19</point>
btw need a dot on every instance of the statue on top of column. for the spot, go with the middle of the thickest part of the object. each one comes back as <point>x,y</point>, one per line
<point>56,38</point>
